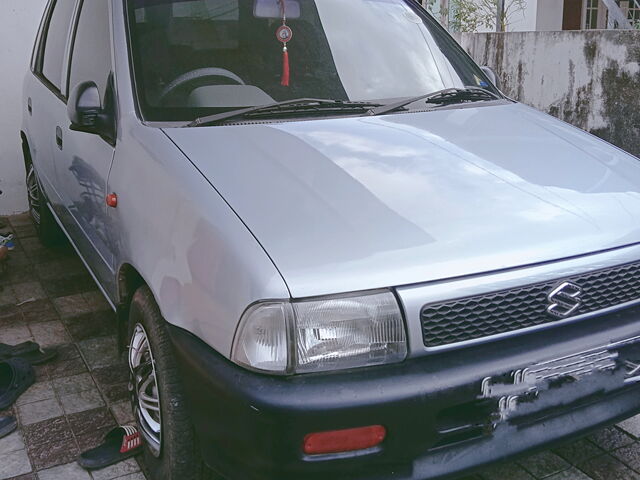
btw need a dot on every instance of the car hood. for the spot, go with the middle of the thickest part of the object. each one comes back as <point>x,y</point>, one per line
<point>351,204</point>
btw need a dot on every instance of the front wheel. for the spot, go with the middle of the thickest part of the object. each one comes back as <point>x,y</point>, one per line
<point>47,229</point>
<point>157,396</point>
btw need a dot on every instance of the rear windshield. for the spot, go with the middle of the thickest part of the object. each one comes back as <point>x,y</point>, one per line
<point>200,57</point>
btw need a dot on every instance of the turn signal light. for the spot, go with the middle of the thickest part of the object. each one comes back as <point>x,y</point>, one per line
<point>338,441</point>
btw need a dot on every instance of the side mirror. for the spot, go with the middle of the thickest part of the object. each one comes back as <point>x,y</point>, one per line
<point>488,71</point>
<point>86,113</point>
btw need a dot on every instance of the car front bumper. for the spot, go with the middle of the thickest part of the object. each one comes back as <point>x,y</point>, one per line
<point>445,414</point>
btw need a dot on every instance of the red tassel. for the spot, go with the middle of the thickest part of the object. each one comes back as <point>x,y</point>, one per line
<point>285,68</point>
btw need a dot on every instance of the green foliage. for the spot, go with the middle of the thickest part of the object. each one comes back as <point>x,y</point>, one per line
<point>471,16</point>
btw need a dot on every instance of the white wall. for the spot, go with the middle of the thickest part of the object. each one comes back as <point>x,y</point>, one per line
<point>588,78</point>
<point>18,25</point>
<point>549,15</point>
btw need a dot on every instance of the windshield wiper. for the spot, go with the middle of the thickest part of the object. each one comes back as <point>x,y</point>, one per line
<point>447,96</point>
<point>299,105</point>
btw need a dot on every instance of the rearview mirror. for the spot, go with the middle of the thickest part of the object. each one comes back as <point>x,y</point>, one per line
<point>488,71</point>
<point>86,113</point>
<point>273,8</point>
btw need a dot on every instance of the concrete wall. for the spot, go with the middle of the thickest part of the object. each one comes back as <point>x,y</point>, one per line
<point>590,79</point>
<point>18,25</point>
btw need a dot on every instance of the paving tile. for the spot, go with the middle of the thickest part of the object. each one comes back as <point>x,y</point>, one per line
<point>631,426</point>
<point>118,470</point>
<point>14,334</point>
<point>7,297</point>
<point>544,464</point>
<point>39,311</point>
<point>122,412</point>
<point>113,382</point>
<point>629,455</point>
<point>43,432</point>
<point>137,476</point>
<point>14,464</point>
<point>115,393</point>
<point>28,476</point>
<point>37,392</point>
<point>21,219</point>
<point>39,411</point>
<point>92,439</point>
<point>28,291</point>
<point>96,301</point>
<point>73,384</point>
<point>506,471</point>
<point>9,312</point>
<point>31,245</point>
<point>17,275</point>
<point>67,362</point>
<point>83,423</point>
<point>56,451</point>
<point>71,285</point>
<point>71,306</point>
<point>81,401</point>
<point>11,443</point>
<point>91,325</point>
<point>610,438</point>
<point>572,474</point>
<point>24,231</point>
<point>111,375</point>
<point>608,468</point>
<point>66,368</point>
<point>70,471</point>
<point>578,451</point>
<point>49,333</point>
<point>100,352</point>
<point>56,269</point>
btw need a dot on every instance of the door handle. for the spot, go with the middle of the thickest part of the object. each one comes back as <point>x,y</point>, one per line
<point>59,137</point>
<point>29,106</point>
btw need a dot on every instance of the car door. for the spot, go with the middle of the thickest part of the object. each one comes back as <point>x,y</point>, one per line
<point>83,160</point>
<point>44,93</point>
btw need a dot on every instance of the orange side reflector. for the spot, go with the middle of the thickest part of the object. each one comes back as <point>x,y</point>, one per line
<point>337,441</point>
<point>112,200</point>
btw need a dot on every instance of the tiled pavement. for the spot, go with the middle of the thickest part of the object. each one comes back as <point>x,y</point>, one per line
<point>47,296</point>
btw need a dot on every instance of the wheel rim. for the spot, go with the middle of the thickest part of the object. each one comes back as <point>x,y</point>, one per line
<point>144,389</point>
<point>33,191</point>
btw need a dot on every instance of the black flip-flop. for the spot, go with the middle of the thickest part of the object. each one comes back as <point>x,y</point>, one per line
<point>16,376</point>
<point>29,351</point>
<point>14,350</point>
<point>7,426</point>
<point>119,444</point>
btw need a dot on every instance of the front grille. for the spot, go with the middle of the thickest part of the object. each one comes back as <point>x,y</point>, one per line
<point>505,311</point>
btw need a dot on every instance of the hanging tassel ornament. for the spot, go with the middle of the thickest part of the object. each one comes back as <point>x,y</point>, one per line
<point>285,67</point>
<point>284,35</point>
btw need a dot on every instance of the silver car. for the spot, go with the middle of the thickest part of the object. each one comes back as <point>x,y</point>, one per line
<point>336,250</point>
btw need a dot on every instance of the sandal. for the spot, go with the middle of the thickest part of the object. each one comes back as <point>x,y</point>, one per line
<point>16,376</point>
<point>29,351</point>
<point>7,425</point>
<point>119,444</point>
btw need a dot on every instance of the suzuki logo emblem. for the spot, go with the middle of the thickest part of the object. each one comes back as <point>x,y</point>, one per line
<point>564,300</point>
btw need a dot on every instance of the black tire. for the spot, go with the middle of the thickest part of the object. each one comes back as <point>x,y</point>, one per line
<point>178,457</point>
<point>46,226</point>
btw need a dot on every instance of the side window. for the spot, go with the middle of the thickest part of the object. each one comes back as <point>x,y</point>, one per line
<point>56,41</point>
<point>91,57</point>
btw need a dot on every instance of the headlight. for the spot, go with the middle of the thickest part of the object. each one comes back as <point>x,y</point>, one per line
<point>319,335</point>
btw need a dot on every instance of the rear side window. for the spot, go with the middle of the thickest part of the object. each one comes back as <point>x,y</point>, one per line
<point>91,57</point>
<point>56,41</point>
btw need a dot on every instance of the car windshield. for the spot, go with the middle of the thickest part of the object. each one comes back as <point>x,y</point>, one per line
<point>203,57</point>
